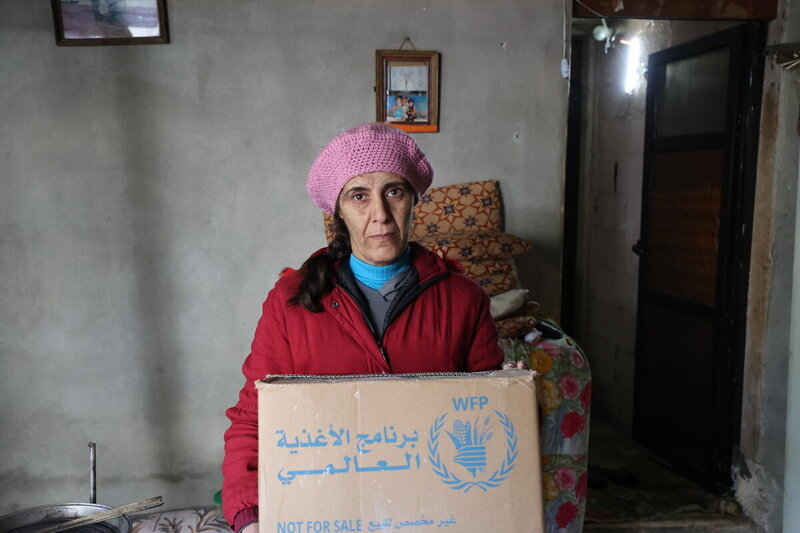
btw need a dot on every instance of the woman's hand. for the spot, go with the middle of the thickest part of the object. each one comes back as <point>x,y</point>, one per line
<point>515,365</point>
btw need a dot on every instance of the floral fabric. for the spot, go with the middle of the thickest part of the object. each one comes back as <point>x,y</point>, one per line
<point>197,520</point>
<point>564,393</point>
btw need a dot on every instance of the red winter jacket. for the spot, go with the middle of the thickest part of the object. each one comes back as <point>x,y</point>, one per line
<point>446,327</point>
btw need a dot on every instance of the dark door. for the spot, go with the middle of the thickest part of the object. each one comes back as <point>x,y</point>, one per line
<point>703,103</point>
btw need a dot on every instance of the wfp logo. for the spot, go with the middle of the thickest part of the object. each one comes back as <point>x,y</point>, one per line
<point>471,439</point>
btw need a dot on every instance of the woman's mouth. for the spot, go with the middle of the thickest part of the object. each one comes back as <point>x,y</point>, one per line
<point>382,237</point>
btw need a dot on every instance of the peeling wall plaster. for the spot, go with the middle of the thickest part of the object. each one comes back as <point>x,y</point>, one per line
<point>758,493</point>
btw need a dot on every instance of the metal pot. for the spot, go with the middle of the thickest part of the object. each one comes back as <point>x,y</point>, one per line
<point>30,520</point>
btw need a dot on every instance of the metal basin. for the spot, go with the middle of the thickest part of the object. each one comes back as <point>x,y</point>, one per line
<point>35,518</point>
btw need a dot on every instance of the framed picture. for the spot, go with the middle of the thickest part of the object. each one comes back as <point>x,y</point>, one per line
<point>102,22</point>
<point>407,89</point>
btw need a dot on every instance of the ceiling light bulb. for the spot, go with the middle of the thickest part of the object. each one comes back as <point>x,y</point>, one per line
<point>602,32</point>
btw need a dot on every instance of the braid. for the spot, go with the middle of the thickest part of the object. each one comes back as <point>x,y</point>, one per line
<point>318,270</point>
<point>339,247</point>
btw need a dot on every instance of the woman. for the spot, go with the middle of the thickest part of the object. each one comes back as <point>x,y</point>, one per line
<point>369,303</point>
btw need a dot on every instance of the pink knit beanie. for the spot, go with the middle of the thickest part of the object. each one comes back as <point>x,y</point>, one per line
<point>363,149</point>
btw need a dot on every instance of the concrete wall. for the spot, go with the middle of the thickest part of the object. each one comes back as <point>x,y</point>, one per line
<point>150,195</point>
<point>610,220</point>
<point>764,410</point>
<point>791,469</point>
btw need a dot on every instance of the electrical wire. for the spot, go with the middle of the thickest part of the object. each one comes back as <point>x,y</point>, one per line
<point>603,20</point>
<point>564,34</point>
<point>592,10</point>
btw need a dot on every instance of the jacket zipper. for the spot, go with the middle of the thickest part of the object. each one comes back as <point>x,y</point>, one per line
<point>379,340</point>
<point>364,315</point>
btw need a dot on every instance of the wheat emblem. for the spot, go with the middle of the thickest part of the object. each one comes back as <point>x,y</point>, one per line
<point>470,440</point>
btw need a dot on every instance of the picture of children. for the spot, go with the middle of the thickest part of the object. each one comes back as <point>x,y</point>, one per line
<point>406,108</point>
<point>397,112</point>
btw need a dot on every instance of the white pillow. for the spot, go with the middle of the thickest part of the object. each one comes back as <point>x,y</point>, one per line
<point>505,303</point>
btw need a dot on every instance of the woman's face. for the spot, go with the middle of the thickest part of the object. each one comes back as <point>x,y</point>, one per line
<point>376,208</point>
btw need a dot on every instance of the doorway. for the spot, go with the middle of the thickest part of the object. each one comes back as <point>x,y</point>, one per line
<point>612,163</point>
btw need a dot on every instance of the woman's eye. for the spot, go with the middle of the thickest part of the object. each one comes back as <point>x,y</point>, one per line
<point>358,197</point>
<point>395,192</point>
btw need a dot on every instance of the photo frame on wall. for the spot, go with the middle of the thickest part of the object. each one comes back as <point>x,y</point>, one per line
<point>110,22</point>
<point>407,89</point>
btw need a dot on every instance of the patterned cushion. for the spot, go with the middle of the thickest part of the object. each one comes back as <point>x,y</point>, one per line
<point>514,326</point>
<point>496,284</point>
<point>478,268</point>
<point>494,275</point>
<point>328,222</point>
<point>520,323</point>
<point>467,245</point>
<point>473,206</point>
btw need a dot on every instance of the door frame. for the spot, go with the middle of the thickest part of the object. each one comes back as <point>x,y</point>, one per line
<point>572,186</point>
<point>747,42</point>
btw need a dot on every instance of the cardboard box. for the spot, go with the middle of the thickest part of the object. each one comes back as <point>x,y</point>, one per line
<point>421,453</point>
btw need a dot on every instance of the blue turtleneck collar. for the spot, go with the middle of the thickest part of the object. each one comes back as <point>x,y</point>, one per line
<point>376,276</point>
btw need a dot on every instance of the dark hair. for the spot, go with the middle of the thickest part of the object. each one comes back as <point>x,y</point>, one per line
<point>317,271</point>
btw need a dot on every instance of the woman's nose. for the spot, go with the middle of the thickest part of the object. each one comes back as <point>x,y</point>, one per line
<point>380,211</point>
